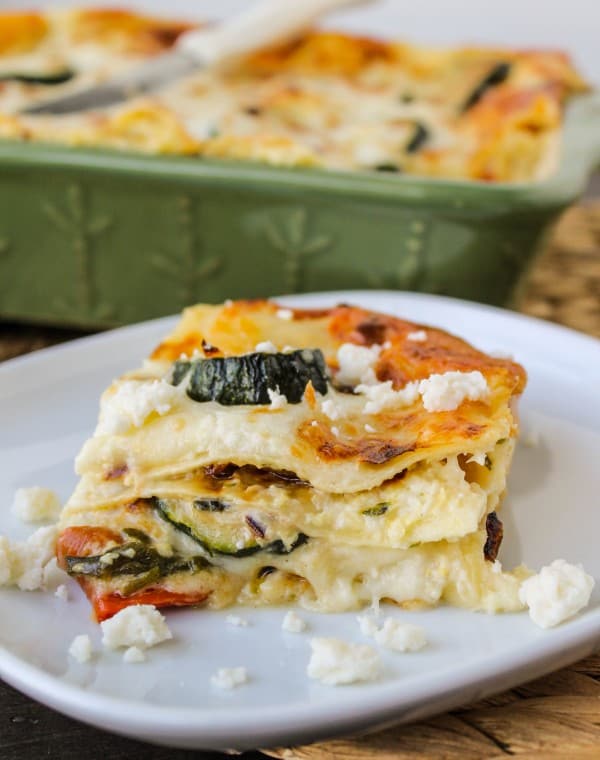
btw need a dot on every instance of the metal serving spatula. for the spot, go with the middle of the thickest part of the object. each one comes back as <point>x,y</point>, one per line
<point>268,22</point>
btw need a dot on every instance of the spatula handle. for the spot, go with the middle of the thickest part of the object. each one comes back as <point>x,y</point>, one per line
<point>266,23</point>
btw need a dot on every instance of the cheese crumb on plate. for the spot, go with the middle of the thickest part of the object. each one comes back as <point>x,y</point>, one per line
<point>36,504</point>
<point>393,634</point>
<point>293,623</point>
<point>81,648</point>
<point>559,591</point>
<point>229,678</point>
<point>335,662</point>
<point>236,620</point>
<point>134,655</point>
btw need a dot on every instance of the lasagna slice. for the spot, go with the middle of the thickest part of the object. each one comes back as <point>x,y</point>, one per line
<point>330,458</point>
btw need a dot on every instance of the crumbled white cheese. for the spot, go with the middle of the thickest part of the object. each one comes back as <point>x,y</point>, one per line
<point>369,428</point>
<point>331,409</point>
<point>335,430</point>
<point>81,648</point>
<point>139,626</point>
<point>418,336</point>
<point>356,364</point>
<point>314,423</point>
<point>5,561</point>
<point>266,347</point>
<point>237,620</point>
<point>36,504</point>
<point>556,593</point>
<point>278,400</point>
<point>293,623</point>
<point>53,576</point>
<point>134,655</point>
<point>286,314</point>
<point>62,592</point>
<point>393,634</point>
<point>401,637</point>
<point>368,625</point>
<point>132,402</point>
<point>445,392</point>
<point>229,678</point>
<point>335,662</point>
<point>30,558</point>
<point>382,395</point>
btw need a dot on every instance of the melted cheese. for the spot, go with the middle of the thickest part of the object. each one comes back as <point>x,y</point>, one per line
<point>431,502</point>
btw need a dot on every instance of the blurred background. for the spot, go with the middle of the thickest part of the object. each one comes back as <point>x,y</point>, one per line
<point>571,26</point>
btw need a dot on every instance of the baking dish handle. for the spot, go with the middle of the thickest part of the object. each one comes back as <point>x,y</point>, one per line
<point>265,23</point>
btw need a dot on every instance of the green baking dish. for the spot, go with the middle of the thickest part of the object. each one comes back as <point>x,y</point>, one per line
<point>95,238</point>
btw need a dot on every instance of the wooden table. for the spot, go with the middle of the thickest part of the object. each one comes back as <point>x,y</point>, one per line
<point>555,717</point>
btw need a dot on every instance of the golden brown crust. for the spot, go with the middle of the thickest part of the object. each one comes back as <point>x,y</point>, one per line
<point>125,30</point>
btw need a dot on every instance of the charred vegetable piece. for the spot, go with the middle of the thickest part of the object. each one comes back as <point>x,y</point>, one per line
<point>377,510</point>
<point>496,76</point>
<point>210,505</point>
<point>495,534</point>
<point>388,167</point>
<point>57,77</point>
<point>133,558</point>
<point>278,546</point>
<point>419,137</point>
<point>214,537</point>
<point>247,379</point>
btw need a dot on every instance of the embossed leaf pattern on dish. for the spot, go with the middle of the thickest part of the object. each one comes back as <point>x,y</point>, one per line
<point>290,236</point>
<point>73,218</point>
<point>410,270</point>
<point>182,262</point>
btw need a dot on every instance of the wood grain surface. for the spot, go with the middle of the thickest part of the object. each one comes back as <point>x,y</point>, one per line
<point>554,717</point>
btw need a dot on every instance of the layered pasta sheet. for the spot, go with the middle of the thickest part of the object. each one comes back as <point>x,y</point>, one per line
<point>266,455</point>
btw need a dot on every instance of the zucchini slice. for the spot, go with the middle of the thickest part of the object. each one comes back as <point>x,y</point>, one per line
<point>217,536</point>
<point>247,379</point>
<point>419,137</point>
<point>57,77</point>
<point>498,74</point>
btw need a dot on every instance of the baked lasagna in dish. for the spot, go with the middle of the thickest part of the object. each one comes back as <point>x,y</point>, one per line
<point>325,100</point>
<point>331,458</point>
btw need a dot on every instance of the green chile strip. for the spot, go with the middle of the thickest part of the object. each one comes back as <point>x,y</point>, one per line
<point>133,558</point>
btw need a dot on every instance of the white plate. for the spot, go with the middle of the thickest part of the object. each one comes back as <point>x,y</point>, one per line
<point>48,405</point>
